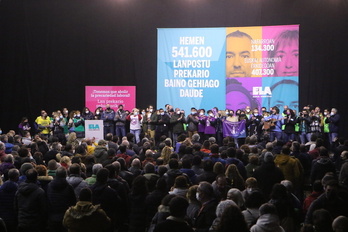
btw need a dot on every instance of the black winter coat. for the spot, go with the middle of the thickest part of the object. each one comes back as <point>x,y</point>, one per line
<point>267,175</point>
<point>30,203</point>
<point>138,212</point>
<point>60,196</point>
<point>108,199</point>
<point>7,195</point>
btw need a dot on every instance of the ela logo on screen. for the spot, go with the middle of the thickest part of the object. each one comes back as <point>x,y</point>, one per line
<point>262,91</point>
<point>93,127</point>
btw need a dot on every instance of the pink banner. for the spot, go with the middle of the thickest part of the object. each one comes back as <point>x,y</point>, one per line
<point>97,96</point>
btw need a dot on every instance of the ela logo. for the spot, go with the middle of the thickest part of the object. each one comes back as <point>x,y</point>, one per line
<point>263,92</point>
<point>93,127</point>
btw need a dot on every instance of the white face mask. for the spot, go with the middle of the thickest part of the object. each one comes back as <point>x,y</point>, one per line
<point>151,110</point>
<point>247,110</point>
<point>135,113</point>
<point>325,113</point>
<point>178,112</point>
<point>87,112</point>
<point>211,115</point>
<point>201,113</point>
<point>332,113</point>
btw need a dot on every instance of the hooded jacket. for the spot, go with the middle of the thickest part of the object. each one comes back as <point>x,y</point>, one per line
<point>30,204</point>
<point>108,199</point>
<point>289,167</point>
<point>267,222</point>
<point>267,175</point>
<point>85,217</point>
<point>322,166</point>
<point>101,154</point>
<point>78,183</point>
<point>60,196</point>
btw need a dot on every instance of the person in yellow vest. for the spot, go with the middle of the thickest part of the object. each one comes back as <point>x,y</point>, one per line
<point>43,123</point>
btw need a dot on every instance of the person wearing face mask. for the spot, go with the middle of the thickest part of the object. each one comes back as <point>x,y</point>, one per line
<point>78,123</point>
<point>162,124</point>
<point>315,123</point>
<point>210,123</point>
<point>98,113</point>
<point>149,120</point>
<point>43,123</point>
<point>289,125</point>
<point>65,117</point>
<point>304,130</point>
<point>177,122</point>
<point>58,127</point>
<point>192,121</point>
<point>254,123</point>
<point>333,119</point>
<point>108,116</point>
<point>231,117</point>
<point>120,121</point>
<point>248,112</point>
<point>201,124</point>
<point>220,116</point>
<point>87,114</point>
<point>135,127</point>
<point>206,215</point>
<point>24,126</point>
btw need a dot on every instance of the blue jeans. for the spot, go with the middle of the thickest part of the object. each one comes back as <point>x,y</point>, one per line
<point>305,137</point>
<point>288,137</point>
<point>332,136</point>
<point>120,131</point>
<point>276,135</point>
<point>136,133</point>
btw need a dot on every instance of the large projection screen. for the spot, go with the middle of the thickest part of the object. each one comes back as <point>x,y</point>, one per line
<point>230,67</point>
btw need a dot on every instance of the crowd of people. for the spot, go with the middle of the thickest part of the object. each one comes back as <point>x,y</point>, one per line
<point>159,170</point>
<point>287,125</point>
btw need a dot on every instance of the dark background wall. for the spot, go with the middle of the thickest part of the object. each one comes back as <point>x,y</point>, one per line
<point>51,49</point>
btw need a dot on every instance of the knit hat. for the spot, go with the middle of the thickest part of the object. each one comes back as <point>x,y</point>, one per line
<point>268,157</point>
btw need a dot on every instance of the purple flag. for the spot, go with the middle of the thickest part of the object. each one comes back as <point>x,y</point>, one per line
<point>234,129</point>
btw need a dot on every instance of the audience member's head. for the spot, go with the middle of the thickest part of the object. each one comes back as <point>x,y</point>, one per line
<point>178,206</point>
<point>85,195</point>
<point>340,224</point>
